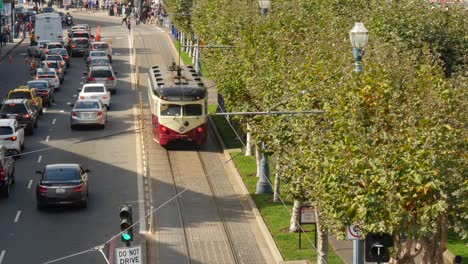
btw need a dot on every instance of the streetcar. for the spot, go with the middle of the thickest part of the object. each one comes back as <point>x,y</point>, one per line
<point>179,104</point>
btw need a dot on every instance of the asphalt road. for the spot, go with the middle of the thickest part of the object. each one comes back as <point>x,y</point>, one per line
<point>32,236</point>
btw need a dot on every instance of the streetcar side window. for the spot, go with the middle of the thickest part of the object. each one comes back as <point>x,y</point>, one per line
<point>170,110</point>
<point>192,110</point>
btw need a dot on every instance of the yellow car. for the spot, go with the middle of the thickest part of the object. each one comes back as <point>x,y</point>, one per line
<point>23,92</point>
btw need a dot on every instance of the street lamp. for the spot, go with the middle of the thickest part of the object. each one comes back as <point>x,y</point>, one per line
<point>358,36</point>
<point>263,183</point>
<point>264,6</point>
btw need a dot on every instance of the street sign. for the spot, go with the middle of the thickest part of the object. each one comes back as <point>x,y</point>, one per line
<point>1,5</point>
<point>353,233</point>
<point>127,255</point>
<point>307,215</point>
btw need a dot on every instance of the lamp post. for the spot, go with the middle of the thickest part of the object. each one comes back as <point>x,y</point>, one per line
<point>264,6</point>
<point>358,37</point>
<point>263,183</point>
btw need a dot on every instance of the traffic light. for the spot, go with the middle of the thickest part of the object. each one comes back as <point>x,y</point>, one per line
<point>126,223</point>
<point>377,247</point>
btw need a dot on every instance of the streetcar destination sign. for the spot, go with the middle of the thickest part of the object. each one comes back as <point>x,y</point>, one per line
<point>128,255</point>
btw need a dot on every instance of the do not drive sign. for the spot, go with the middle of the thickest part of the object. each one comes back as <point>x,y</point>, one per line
<point>128,255</point>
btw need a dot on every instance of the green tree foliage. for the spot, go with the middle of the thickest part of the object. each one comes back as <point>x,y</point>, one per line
<point>390,153</point>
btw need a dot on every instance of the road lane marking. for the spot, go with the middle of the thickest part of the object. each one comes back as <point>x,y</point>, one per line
<point>29,184</point>
<point>118,53</point>
<point>82,77</point>
<point>61,111</point>
<point>75,95</point>
<point>118,38</point>
<point>17,216</point>
<point>39,159</point>
<point>81,82</point>
<point>2,255</point>
<point>44,110</point>
<point>53,121</point>
<point>47,139</point>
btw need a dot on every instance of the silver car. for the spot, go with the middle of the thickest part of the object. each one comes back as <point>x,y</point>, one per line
<point>104,75</point>
<point>62,184</point>
<point>88,112</point>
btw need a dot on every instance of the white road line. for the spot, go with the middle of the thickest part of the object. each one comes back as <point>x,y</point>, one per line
<point>17,216</point>
<point>2,255</point>
<point>44,109</point>
<point>61,111</point>
<point>81,82</point>
<point>39,159</point>
<point>75,95</point>
<point>53,121</point>
<point>82,77</point>
<point>30,184</point>
<point>118,38</point>
<point>47,139</point>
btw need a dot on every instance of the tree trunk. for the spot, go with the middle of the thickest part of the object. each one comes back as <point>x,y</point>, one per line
<point>258,156</point>
<point>322,240</point>
<point>294,222</point>
<point>248,143</point>
<point>434,245</point>
<point>276,191</point>
<point>404,254</point>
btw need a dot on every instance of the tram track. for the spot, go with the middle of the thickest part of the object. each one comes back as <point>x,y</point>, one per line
<point>195,224</point>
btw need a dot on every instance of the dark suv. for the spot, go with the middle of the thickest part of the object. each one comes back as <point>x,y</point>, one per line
<point>7,172</point>
<point>23,111</point>
<point>78,46</point>
<point>44,90</point>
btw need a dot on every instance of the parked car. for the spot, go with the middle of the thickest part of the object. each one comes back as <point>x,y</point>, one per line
<point>23,92</point>
<point>104,75</point>
<point>23,111</point>
<point>50,75</point>
<point>95,91</point>
<point>54,65</point>
<point>36,47</point>
<point>11,136</point>
<point>44,90</point>
<point>62,184</point>
<point>7,172</point>
<point>88,112</point>
<point>64,53</point>
<point>100,46</point>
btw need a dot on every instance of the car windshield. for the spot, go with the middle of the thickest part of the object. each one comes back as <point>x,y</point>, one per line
<point>51,65</point>
<point>100,46</point>
<point>87,105</point>
<point>54,58</point>
<point>99,61</point>
<point>6,130</point>
<point>13,109</point>
<point>20,95</point>
<point>61,174</point>
<point>94,89</point>
<point>81,41</point>
<point>170,110</point>
<point>54,46</point>
<point>80,35</point>
<point>58,52</point>
<point>37,85</point>
<point>98,53</point>
<point>101,74</point>
<point>44,73</point>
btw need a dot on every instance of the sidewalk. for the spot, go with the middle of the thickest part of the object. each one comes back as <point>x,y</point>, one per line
<point>5,51</point>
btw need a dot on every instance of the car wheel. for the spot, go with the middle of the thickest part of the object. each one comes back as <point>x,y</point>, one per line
<point>108,107</point>
<point>61,81</point>
<point>68,65</point>
<point>84,204</point>
<point>29,53</point>
<point>102,126</point>
<point>113,91</point>
<point>49,103</point>
<point>39,206</point>
<point>22,146</point>
<point>41,112</point>
<point>30,130</point>
<point>6,192</point>
<point>72,127</point>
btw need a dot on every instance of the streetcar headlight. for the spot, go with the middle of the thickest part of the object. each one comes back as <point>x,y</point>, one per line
<point>181,129</point>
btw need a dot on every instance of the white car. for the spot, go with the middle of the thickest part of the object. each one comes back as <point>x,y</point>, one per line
<point>11,135</point>
<point>36,48</point>
<point>48,74</point>
<point>95,91</point>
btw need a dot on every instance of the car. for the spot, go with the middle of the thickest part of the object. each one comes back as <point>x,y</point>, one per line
<point>43,89</point>
<point>23,111</point>
<point>7,172</point>
<point>93,54</point>
<point>64,53</point>
<point>95,91</point>
<point>50,75</point>
<point>59,58</point>
<point>98,61</point>
<point>100,46</point>
<point>55,65</point>
<point>49,46</point>
<point>12,135</point>
<point>23,92</point>
<point>65,183</point>
<point>35,49</point>
<point>84,27</point>
<point>77,46</point>
<point>46,10</point>
<point>104,75</point>
<point>81,34</point>
<point>88,112</point>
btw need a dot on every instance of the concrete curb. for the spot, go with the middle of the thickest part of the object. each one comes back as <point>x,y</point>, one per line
<point>258,217</point>
<point>3,56</point>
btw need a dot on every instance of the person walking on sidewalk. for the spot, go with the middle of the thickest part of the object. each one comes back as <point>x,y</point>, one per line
<point>124,19</point>
<point>128,26</point>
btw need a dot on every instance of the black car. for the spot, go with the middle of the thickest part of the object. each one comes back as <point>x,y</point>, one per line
<point>78,46</point>
<point>7,172</point>
<point>44,90</point>
<point>62,184</point>
<point>23,111</point>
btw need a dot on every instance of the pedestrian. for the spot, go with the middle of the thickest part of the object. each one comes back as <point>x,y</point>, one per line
<point>128,25</point>
<point>124,19</point>
<point>1,40</point>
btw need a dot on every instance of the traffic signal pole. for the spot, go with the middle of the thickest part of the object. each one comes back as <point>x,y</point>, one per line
<point>358,251</point>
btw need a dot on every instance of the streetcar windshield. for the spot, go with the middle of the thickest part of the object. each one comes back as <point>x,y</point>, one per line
<point>170,110</point>
<point>192,110</point>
